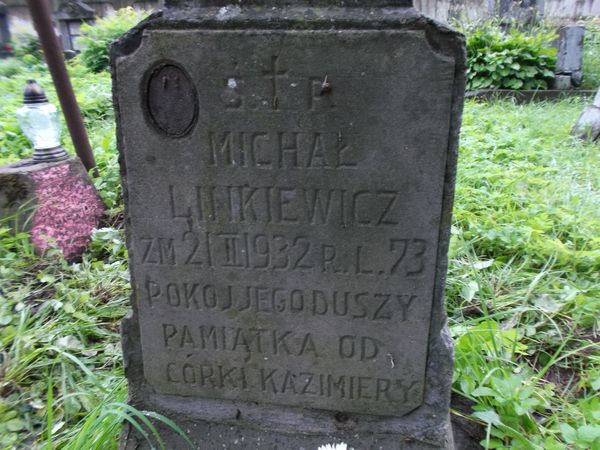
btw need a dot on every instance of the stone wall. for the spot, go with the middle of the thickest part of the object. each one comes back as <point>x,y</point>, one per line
<point>18,8</point>
<point>525,10</point>
<point>442,10</point>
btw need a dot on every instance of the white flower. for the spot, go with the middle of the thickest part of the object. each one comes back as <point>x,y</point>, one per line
<point>340,446</point>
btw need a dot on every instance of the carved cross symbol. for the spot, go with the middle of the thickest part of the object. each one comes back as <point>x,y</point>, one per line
<point>273,74</point>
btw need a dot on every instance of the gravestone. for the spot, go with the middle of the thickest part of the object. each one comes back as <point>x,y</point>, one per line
<point>569,56</point>
<point>5,46</point>
<point>69,16</point>
<point>288,169</point>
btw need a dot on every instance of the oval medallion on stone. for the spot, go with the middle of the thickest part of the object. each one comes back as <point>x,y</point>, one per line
<point>171,100</point>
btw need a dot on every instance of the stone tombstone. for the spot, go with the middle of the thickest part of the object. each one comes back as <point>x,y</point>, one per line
<point>5,46</point>
<point>569,55</point>
<point>288,169</point>
<point>70,15</point>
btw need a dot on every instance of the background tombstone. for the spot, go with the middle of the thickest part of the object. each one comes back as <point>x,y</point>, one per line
<point>5,46</point>
<point>569,56</point>
<point>70,15</point>
<point>289,173</point>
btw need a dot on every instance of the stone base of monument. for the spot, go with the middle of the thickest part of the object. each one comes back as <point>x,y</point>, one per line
<point>56,202</point>
<point>212,435</point>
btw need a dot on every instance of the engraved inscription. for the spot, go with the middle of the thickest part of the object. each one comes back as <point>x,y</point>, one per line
<point>281,381</point>
<point>273,75</point>
<point>280,150</point>
<point>288,205</point>
<point>262,341</point>
<point>286,250</point>
<point>281,301</point>
<point>281,252</point>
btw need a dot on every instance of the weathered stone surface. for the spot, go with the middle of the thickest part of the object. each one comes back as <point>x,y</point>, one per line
<point>55,202</point>
<point>69,16</point>
<point>175,5</point>
<point>588,124</point>
<point>562,82</point>
<point>570,48</point>
<point>289,177</point>
<point>569,57</point>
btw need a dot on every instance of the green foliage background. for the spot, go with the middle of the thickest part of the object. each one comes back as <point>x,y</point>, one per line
<point>591,58</point>
<point>514,59</point>
<point>96,38</point>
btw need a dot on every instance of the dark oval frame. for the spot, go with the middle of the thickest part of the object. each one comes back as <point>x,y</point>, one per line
<point>145,96</point>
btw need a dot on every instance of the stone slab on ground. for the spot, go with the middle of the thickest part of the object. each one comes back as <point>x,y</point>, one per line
<point>467,435</point>
<point>562,82</point>
<point>587,127</point>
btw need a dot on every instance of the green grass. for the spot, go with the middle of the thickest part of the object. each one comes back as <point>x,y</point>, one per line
<point>523,290</point>
<point>524,286</point>
<point>61,377</point>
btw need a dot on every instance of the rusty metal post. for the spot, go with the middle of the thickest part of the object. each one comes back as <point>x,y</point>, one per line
<point>40,14</point>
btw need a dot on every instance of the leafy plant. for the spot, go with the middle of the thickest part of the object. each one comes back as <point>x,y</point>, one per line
<point>10,67</point>
<point>28,48</point>
<point>100,428</point>
<point>97,37</point>
<point>591,55</point>
<point>524,275</point>
<point>498,59</point>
